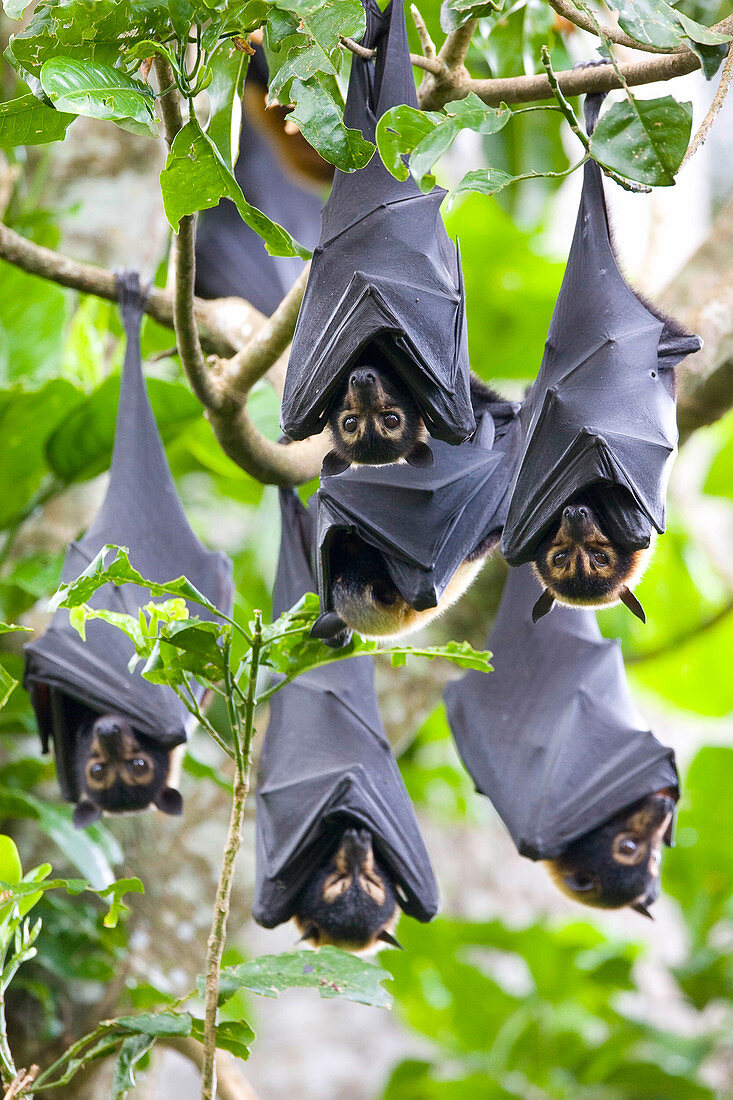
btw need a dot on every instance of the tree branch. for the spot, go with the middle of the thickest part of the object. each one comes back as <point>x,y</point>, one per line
<point>584,23</point>
<point>428,46</point>
<point>430,64</point>
<point>719,99</point>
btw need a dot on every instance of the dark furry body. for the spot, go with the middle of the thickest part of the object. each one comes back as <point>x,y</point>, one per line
<point>617,864</point>
<point>350,900</point>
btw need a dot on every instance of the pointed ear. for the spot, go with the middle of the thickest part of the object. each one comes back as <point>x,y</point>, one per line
<point>333,463</point>
<point>310,933</point>
<point>639,907</point>
<point>544,604</point>
<point>169,801</point>
<point>388,938</point>
<point>327,625</point>
<point>628,598</point>
<point>420,455</point>
<point>85,813</point>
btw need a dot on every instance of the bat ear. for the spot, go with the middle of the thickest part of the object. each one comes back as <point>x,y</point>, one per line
<point>85,813</point>
<point>327,626</point>
<point>639,907</point>
<point>388,938</point>
<point>420,455</point>
<point>169,801</point>
<point>310,933</point>
<point>333,463</point>
<point>628,598</point>
<point>544,604</point>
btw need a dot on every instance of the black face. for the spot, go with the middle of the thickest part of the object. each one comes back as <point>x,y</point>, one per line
<point>120,770</point>
<point>579,564</point>
<point>350,900</point>
<point>618,863</point>
<point>375,420</point>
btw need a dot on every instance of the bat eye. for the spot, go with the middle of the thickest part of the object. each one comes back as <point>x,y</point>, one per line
<point>601,557</point>
<point>627,846</point>
<point>391,421</point>
<point>561,558</point>
<point>138,765</point>
<point>349,424</point>
<point>96,771</point>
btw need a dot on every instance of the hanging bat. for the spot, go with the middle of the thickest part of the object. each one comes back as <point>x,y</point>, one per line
<point>385,293</point>
<point>231,259</point>
<point>350,901</point>
<point>399,544</point>
<point>80,689</point>
<point>337,843</point>
<point>599,426</point>
<point>554,739</point>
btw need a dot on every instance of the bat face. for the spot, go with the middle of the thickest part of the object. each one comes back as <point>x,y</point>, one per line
<point>366,599</point>
<point>350,900</point>
<point>120,771</point>
<point>618,863</point>
<point>579,564</point>
<point>375,421</point>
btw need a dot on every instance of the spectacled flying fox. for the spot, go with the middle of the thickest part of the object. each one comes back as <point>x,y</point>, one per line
<point>579,565</point>
<point>350,900</point>
<point>120,770</point>
<point>618,863</point>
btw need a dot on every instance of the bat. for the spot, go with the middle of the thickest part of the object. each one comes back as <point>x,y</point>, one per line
<point>385,292</point>
<point>81,690</point>
<point>231,259</point>
<point>337,843</point>
<point>398,544</point>
<point>553,738</point>
<point>599,426</point>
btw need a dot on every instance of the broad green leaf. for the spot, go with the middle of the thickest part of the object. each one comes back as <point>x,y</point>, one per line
<point>192,647</point>
<point>656,23</point>
<point>11,870</point>
<point>156,1024</point>
<point>643,139</point>
<point>15,8</point>
<point>131,1051</point>
<point>321,123</point>
<point>196,177</point>
<point>81,446</point>
<point>27,121</point>
<point>100,91</point>
<point>490,181</point>
<point>332,972</point>
<point>236,1036</point>
<point>308,40</point>
<point>455,13</point>
<point>225,102</point>
<point>427,137</point>
<point>32,324</point>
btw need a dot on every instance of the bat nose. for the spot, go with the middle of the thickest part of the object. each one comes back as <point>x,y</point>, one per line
<point>109,735</point>
<point>576,519</point>
<point>356,845</point>
<point>363,379</point>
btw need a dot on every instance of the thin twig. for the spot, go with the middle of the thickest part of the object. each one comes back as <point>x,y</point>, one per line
<point>430,64</point>
<point>20,1082</point>
<point>428,46</point>
<point>705,126</point>
<point>584,23</point>
<point>217,936</point>
<point>187,336</point>
<point>230,1084</point>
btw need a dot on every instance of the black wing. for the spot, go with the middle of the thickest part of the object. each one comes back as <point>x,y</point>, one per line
<point>326,757</point>
<point>602,409</point>
<point>384,273</point>
<point>552,736</point>
<point>142,511</point>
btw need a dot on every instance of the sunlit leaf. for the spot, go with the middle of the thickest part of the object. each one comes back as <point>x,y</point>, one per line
<point>332,972</point>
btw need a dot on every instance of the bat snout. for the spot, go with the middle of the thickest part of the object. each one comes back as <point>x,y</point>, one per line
<point>356,847</point>
<point>577,521</point>
<point>362,379</point>
<point>112,735</point>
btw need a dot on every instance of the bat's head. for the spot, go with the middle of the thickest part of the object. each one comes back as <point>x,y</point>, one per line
<point>579,565</point>
<point>120,770</point>
<point>350,900</point>
<point>366,599</point>
<point>618,863</point>
<point>375,421</point>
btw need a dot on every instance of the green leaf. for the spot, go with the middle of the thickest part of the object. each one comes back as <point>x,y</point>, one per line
<point>427,136</point>
<point>157,1024</point>
<point>27,121</point>
<point>196,177</point>
<point>455,13</point>
<point>131,1051</point>
<point>307,40</point>
<point>14,8</point>
<point>643,139</point>
<point>225,102</point>
<point>81,446</point>
<point>321,123</point>
<point>187,647</point>
<point>11,870</point>
<point>490,181</point>
<point>99,91</point>
<point>332,972</point>
<point>656,23</point>
<point>36,883</point>
<point>236,1036</point>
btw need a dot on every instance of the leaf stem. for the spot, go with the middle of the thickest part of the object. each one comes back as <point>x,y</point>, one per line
<point>215,947</point>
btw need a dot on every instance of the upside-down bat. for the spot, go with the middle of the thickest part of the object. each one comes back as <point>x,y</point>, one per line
<point>338,846</point>
<point>385,291</point>
<point>399,544</point>
<point>554,739</point>
<point>599,426</point>
<point>100,717</point>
